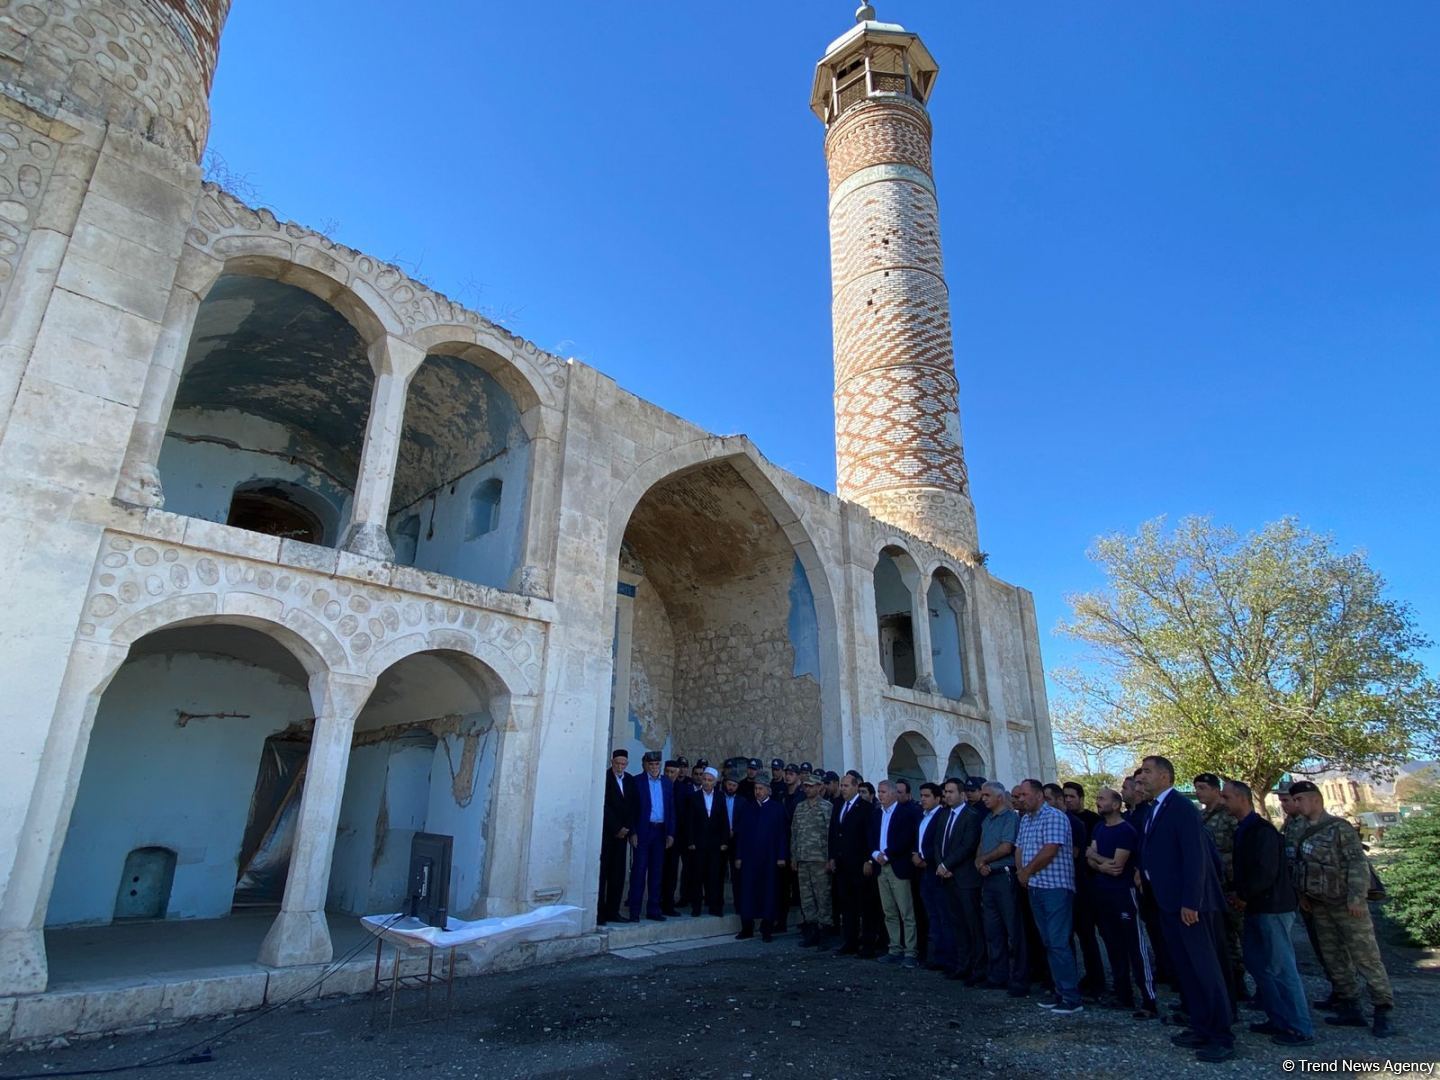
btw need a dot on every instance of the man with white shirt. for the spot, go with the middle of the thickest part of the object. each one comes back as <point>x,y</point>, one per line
<point>708,843</point>
<point>940,946</point>
<point>614,850</point>
<point>893,832</point>
<point>849,852</point>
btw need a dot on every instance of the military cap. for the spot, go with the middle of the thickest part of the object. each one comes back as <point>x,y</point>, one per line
<point>777,764</point>
<point>974,783</point>
<point>684,763</point>
<point>753,763</point>
<point>672,764</point>
<point>651,755</point>
<point>701,763</point>
<point>831,776</point>
<point>810,778</point>
<point>805,767</point>
<point>792,767</point>
<point>1304,787</point>
<point>762,778</point>
<point>1208,778</point>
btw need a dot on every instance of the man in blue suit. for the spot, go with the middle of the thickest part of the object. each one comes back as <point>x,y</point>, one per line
<point>652,833</point>
<point>1180,871</point>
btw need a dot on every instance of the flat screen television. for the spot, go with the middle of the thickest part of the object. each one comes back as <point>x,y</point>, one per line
<point>429,889</point>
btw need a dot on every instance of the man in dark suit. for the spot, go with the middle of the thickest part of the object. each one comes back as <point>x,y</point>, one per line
<point>670,876</point>
<point>708,834</point>
<point>1179,867</point>
<point>959,844</point>
<point>652,833</point>
<point>614,851</point>
<point>940,941</point>
<point>894,830</point>
<point>849,851</point>
<point>762,853</point>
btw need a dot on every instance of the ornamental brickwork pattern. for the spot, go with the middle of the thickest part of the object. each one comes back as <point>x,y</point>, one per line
<point>897,411</point>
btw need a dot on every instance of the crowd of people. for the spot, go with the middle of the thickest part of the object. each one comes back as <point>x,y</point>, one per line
<point>1019,890</point>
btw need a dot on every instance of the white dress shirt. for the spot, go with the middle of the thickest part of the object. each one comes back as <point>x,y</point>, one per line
<point>884,831</point>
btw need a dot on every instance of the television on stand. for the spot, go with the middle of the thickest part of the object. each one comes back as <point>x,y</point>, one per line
<point>429,888</point>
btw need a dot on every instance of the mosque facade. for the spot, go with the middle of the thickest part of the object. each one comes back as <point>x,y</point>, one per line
<point>304,558</point>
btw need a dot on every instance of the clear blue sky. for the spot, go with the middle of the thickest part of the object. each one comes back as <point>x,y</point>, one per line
<point>1193,248</point>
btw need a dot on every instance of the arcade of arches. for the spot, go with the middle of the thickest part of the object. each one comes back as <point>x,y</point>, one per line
<point>190,800</point>
<point>268,428</point>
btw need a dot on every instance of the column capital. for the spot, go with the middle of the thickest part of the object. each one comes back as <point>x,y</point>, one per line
<point>394,356</point>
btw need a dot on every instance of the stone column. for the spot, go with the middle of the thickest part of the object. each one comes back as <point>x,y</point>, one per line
<point>299,934</point>
<point>508,888</point>
<point>542,426</point>
<point>394,362</point>
<point>38,839</point>
<point>139,472</point>
<point>920,625</point>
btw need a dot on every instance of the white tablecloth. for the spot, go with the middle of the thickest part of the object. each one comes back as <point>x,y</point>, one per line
<point>552,921</point>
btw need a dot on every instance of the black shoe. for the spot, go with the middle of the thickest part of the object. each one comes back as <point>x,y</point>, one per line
<point>974,980</point>
<point>621,918</point>
<point>1291,1038</point>
<point>767,937</point>
<point>846,950</point>
<point>655,918</point>
<point>1329,1004</point>
<point>1349,1015</point>
<point>670,912</point>
<point>694,912</point>
<point>745,935</point>
<point>1265,1027</point>
<point>1214,1053</point>
<point>1016,992</point>
<point>1144,1014</point>
<point>867,954</point>
<point>1067,1010</point>
<point>1192,1039</point>
<point>1381,1028</point>
<point>955,976</point>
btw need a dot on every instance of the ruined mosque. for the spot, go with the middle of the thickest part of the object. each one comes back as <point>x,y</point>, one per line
<point>303,557</point>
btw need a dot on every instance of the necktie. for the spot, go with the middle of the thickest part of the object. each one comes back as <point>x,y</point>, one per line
<point>945,840</point>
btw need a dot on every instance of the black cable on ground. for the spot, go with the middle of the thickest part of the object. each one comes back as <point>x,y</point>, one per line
<point>205,1055</point>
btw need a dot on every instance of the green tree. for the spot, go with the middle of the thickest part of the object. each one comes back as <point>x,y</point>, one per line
<point>1070,771</point>
<point>1413,876</point>
<point>1249,656</point>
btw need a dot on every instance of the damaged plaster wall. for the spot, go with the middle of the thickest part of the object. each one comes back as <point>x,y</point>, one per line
<point>741,629</point>
<point>423,760</point>
<point>462,430</point>
<point>208,454</point>
<point>276,386</point>
<point>148,781</point>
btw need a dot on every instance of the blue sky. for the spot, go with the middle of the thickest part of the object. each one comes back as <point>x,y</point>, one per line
<point>1193,248</point>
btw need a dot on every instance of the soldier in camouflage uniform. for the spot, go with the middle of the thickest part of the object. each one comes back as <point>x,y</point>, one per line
<point>1221,826</point>
<point>1295,824</point>
<point>1332,876</point>
<point>809,852</point>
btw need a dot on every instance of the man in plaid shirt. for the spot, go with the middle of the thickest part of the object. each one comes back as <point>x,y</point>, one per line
<point>1045,868</point>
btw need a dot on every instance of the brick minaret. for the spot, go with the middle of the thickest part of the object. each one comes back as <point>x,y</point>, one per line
<point>897,412</point>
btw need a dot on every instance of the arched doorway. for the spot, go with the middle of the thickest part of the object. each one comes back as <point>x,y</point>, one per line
<point>423,759</point>
<point>171,766</point>
<point>274,397</point>
<point>717,640</point>
<point>913,758</point>
<point>965,762</point>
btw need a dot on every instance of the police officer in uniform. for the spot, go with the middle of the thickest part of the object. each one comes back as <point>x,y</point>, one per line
<point>809,851</point>
<point>1332,876</point>
<point>746,789</point>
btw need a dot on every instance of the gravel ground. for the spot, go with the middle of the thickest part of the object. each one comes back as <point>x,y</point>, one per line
<point>740,1009</point>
